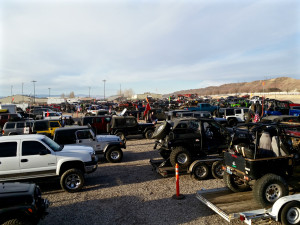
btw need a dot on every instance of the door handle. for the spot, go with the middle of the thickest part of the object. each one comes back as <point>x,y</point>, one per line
<point>24,160</point>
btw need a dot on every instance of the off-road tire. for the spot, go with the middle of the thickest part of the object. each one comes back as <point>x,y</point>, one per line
<point>216,170</point>
<point>290,213</point>
<point>181,156</point>
<point>269,188</point>
<point>161,131</point>
<point>234,183</point>
<point>114,154</point>
<point>200,171</point>
<point>149,134</point>
<point>72,180</point>
<point>17,221</point>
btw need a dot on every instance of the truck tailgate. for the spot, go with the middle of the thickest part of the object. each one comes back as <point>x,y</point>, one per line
<point>227,203</point>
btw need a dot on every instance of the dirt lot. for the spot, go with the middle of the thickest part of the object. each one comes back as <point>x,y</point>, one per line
<point>130,193</point>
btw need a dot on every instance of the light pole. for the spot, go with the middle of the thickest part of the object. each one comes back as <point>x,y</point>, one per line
<point>49,92</point>
<point>22,92</point>
<point>104,88</point>
<point>11,87</point>
<point>34,81</point>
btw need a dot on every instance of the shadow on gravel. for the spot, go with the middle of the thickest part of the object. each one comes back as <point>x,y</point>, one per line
<point>130,210</point>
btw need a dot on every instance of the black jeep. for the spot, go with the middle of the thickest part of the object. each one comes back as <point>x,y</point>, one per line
<point>268,164</point>
<point>123,126</point>
<point>21,203</point>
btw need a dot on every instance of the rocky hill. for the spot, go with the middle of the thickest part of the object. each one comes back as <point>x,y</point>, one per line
<point>272,85</point>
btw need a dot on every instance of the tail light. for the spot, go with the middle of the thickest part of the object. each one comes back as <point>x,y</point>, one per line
<point>242,218</point>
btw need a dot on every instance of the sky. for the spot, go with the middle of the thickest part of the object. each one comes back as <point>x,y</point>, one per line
<point>157,46</point>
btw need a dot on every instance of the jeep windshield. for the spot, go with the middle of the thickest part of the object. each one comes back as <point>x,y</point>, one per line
<point>52,144</point>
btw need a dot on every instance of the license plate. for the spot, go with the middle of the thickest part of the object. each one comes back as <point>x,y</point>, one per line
<point>228,170</point>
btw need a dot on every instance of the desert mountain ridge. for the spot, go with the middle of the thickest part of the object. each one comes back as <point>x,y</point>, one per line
<point>279,84</point>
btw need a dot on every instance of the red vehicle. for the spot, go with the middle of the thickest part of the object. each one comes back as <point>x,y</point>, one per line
<point>98,123</point>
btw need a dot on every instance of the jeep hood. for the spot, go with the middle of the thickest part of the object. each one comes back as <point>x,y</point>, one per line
<point>101,138</point>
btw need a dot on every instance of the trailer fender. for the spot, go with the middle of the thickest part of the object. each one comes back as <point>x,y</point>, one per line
<point>280,203</point>
<point>191,168</point>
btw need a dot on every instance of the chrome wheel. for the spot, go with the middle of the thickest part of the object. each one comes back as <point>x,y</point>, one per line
<point>182,158</point>
<point>73,181</point>
<point>115,155</point>
<point>273,192</point>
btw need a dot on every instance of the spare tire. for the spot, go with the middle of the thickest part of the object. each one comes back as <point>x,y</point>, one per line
<point>161,131</point>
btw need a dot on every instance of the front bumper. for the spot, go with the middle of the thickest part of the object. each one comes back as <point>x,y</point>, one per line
<point>91,166</point>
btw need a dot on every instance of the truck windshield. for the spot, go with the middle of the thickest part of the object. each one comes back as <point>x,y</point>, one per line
<point>52,144</point>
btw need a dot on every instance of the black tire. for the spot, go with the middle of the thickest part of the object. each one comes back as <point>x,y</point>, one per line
<point>17,221</point>
<point>234,183</point>
<point>114,154</point>
<point>216,170</point>
<point>161,131</point>
<point>149,134</point>
<point>290,213</point>
<point>72,180</point>
<point>269,188</point>
<point>200,171</point>
<point>232,122</point>
<point>181,156</point>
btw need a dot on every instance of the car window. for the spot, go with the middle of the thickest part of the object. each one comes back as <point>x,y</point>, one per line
<point>54,124</point>
<point>32,148</point>
<point>238,111</point>
<point>84,134</point>
<point>43,125</point>
<point>8,149</point>
<point>20,125</point>
<point>10,125</point>
<point>64,137</point>
<point>52,144</point>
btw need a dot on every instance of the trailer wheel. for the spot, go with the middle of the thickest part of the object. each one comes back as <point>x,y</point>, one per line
<point>200,171</point>
<point>235,183</point>
<point>290,213</point>
<point>181,156</point>
<point>269,188</point>
<point>216,170</point>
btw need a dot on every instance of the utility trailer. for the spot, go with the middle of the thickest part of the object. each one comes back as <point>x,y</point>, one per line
<point>199,169</point>
<point>241,205</point>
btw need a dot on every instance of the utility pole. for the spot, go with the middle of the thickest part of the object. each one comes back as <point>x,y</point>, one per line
<point>89,92</point>
<point>104,88</point>
<point>49,92</point>
<point>34,81</point>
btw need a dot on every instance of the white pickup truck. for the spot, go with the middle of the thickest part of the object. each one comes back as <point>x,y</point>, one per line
<point>37,156</point>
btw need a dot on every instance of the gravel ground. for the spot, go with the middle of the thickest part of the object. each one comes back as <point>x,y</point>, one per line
<point>130,193</point>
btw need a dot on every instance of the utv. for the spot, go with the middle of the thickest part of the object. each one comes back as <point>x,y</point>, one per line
<point>195,144</point>
<point>123,126</point>
<point>267,165</point>
<point>21,203</point>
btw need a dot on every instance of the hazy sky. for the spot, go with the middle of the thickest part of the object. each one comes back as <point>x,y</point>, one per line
<point>149,46</point>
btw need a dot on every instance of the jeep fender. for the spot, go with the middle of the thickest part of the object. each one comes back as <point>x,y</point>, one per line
<point>109,145</point>
<point>66,164</point>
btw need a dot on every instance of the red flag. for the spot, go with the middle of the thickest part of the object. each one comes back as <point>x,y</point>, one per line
<point>13,99</point>
<point>147,109</point>
<point>47,114</point>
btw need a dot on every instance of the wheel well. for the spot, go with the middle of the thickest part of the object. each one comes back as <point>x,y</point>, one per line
<point>71,165</point>
<point>281,208</point>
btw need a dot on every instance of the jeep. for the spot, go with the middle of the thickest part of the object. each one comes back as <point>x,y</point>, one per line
<point>267,165</point>
<point>123,126</point>
<point>21,203</point>
<point>107,145</point>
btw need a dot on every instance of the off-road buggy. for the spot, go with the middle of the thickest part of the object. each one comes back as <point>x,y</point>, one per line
<point>195,144</point>
<point>267,165</point>
<point>21,203</point>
